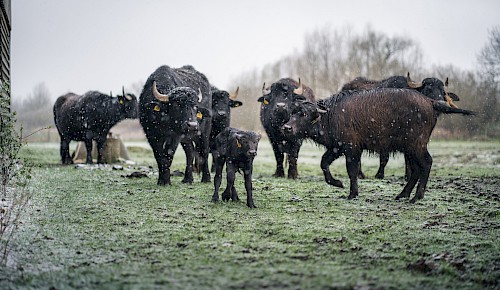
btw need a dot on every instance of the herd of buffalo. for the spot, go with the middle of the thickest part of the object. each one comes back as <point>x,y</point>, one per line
<point>179,105</point>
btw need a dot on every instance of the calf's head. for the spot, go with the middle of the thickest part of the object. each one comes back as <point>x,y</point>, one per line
<point>244,143</point>
<point>222,102</point>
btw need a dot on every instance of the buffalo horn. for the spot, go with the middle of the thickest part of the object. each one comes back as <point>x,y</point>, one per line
<point>158,96</point>
<point>447,97</point>
<point>127,96</point>
<point>200,95</point>
<point>264,90</point>
<point>235,94</point>
<point>412,84</point>
<point>299,90</point>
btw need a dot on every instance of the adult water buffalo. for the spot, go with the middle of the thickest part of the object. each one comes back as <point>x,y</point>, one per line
<point>278,102</point>
<point>432,88</point>
<point>90,117</point>
<point>169,112</point>
<point>380,120</point>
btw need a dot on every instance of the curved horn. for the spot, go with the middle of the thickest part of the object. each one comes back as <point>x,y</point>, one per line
<point>158,96</point>
<point>412,84</point>
<point>111,93</point>
<point>446,83</point>
<point>264,90</point>
<point>200,95</point>
<point>127,96</point>
<point>299,90</point>
<point>235,94</point>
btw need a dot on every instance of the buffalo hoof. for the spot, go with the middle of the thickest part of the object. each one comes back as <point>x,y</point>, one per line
<point>361,175</point>
<point>335,182</point>
<point>187,180</point>
<point>215,198</point>
<point>279,173</point>
<point>352,196</point>
<point>226,196</point>
<point>402,195</point>
<point>205,179</point>
<point>415,198</point>
<point>163,182</point>
<point>379,176</point>
<point>251,205</point>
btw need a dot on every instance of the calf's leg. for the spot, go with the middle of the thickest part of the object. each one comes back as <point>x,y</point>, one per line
<point>219,165</point>
<point>230,172</point>
<point>248,184</point>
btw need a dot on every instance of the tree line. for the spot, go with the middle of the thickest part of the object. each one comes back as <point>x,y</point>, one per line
<point>331,57</point>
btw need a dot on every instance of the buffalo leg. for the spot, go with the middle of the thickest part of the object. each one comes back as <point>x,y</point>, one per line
<point>164,154</point>
<point>189,151</point>
<point>292,165</point>
<point>64,151</point>
<point>326,160</point>
<point>88,147</point>
<point>412,179</point>
<point>248,184</point>
<point>353,165</point>
<point>219,165</point>
<point>204,150</point>
<point>425,164</point>
<point>100,148</point>
<point>361,174</point>
<point>278,154</point>
<point>384,158</point>
<point>231,174</point>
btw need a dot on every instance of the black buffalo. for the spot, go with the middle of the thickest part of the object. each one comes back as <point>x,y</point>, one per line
<point>90,117</point>
<point>169,113</point>
<point>432,88</point>
<point>222,103</point>
<point>277,104</point>
<point>381,120</point>
<point>237,149</point>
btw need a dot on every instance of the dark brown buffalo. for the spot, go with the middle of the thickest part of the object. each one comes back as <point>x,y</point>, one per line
<point>277,104</point>
<point>381,120</point>
<point>431,87</point>
<point>236,149</point>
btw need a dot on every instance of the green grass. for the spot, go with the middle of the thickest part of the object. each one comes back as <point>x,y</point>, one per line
<point>94,228</point>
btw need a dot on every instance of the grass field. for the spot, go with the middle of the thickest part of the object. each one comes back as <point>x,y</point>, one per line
<point>94,228</point>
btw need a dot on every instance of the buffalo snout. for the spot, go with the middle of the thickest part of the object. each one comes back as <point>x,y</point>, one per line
<point>192,126</point>
<point>280,106</point>
<point>287,129</point>
<point>221,113</point>
<point>252,152</point>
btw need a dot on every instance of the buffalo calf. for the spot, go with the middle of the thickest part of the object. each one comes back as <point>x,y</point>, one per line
<point>236,149</point>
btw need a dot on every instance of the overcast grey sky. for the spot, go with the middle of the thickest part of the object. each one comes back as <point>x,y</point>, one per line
<point>81,45</point>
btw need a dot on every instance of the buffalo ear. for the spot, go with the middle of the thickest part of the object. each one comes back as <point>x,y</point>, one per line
<point>261,99</point>
<point>258,137</point>
<point>453,96</point>
<point>204,112</point>
<point>234,104</point>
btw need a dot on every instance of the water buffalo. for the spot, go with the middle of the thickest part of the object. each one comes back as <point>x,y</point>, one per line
<point>222,103</point>
<point>198,144</point>
<point>379,120</point>
<point>431,87</point>
<point>277,104</point>
<point>237,149</point>
<point>168,110</point>
<point>90,117</point>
